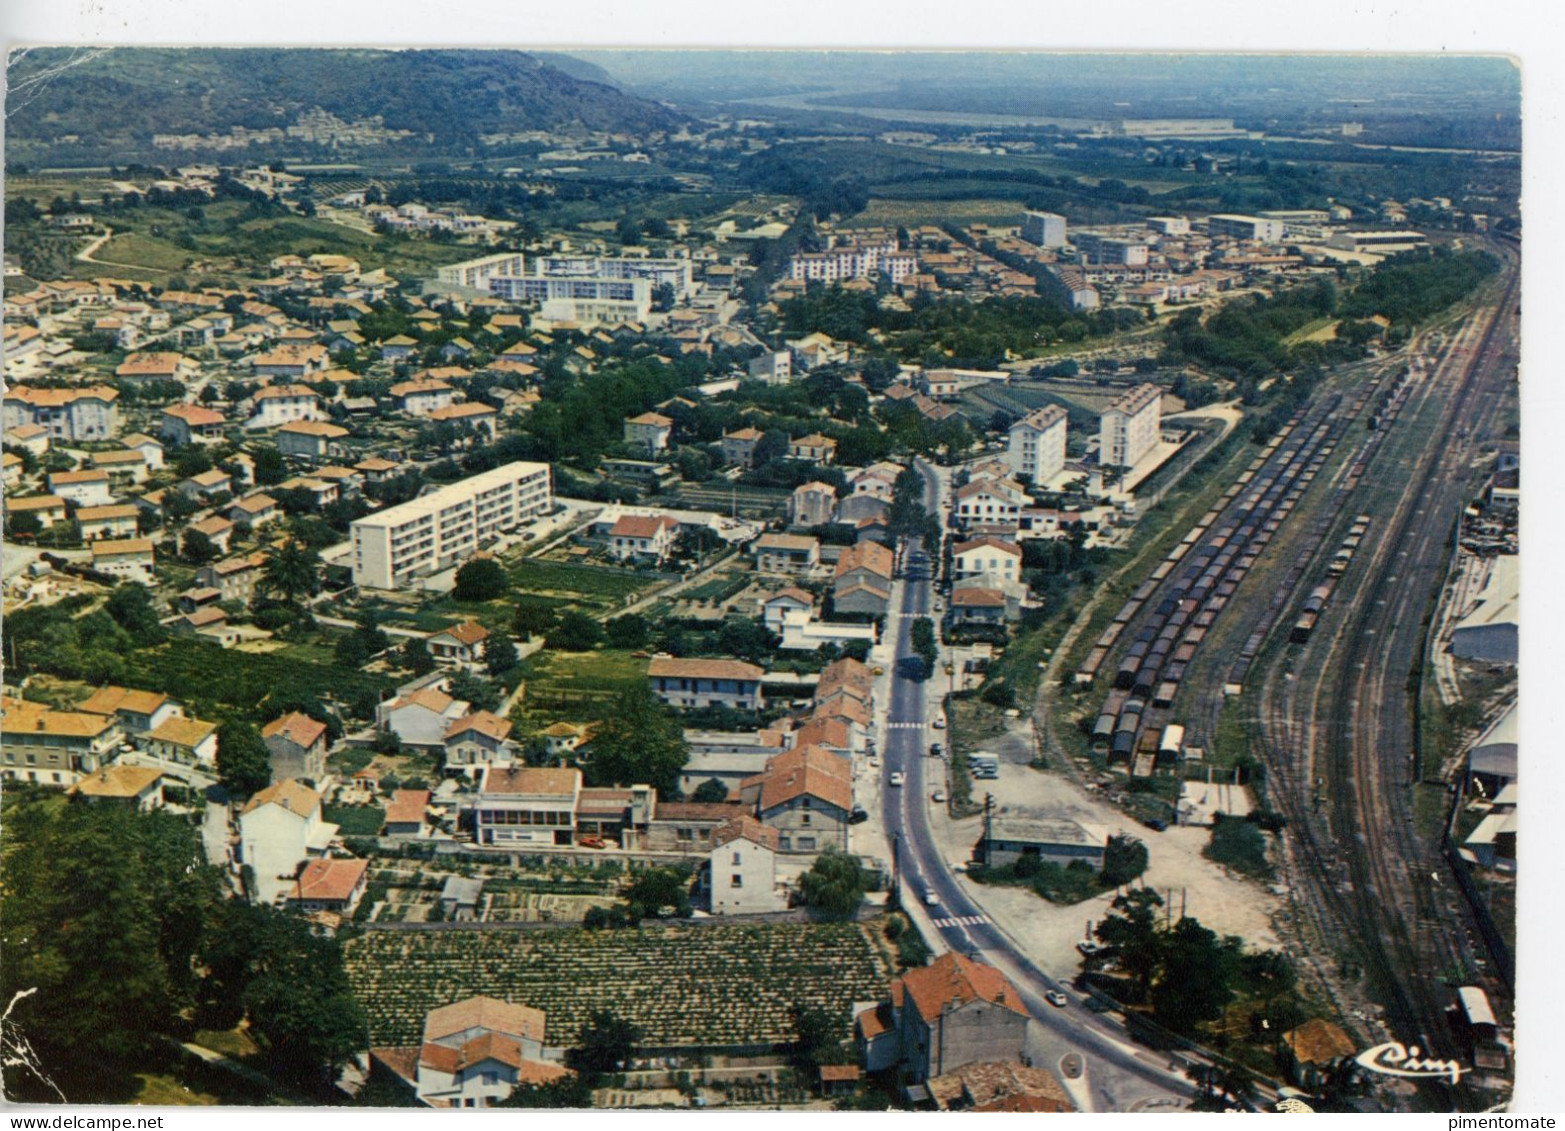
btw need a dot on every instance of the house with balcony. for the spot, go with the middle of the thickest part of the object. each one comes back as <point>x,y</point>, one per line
<point>787,553</point>
<point>477,741</point>
<point>651,431</point>
<point>706,683</point>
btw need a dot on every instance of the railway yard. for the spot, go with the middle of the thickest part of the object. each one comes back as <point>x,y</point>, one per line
<point>1287,634</point>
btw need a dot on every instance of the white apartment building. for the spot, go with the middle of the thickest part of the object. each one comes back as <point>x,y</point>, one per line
<point>579,298</point>
<point>657,272</point>
<point>443,528</point>
<point>1256,228</point>
<point>1046,229</point>
<point>853,261</point>
<point>1130,427</point>
<point>87,413</point>
<point>1037,444</point>
<point>476,273</point>
<point>277,405</point>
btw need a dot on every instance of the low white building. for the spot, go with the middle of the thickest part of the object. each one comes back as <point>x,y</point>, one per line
<point>422,717</point>
<point>741,876</point>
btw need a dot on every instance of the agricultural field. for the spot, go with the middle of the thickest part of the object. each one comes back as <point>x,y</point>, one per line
<point>216,682</point>
<point>726,498</point>
<point>597,587</point>
<point>559,679</point>
<point>683,985</point>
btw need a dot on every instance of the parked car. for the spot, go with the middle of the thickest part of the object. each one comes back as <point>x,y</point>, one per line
<point>1156,824</point>
<point>940,723</point>
<point>898,778</point>
<point>858,816</point>
<point>934,749</point>
<point>1056,999</point>
<point>958,866</point>
<point>931,898</point>
<point>938,797</point>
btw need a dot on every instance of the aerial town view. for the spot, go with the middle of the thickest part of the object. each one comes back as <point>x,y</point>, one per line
<point>633,579</point>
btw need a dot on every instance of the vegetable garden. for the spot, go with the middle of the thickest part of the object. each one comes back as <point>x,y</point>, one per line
<point>683,985</point>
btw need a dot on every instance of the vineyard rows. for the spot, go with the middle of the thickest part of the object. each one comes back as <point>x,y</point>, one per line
<point>708,985</point>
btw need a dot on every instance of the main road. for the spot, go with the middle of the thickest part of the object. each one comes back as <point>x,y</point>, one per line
<point>1120,1074</point>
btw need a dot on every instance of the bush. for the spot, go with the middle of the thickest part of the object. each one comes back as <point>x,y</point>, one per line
<point>1239,845</point>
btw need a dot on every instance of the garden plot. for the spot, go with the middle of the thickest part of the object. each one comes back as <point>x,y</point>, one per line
<point>683,985</point>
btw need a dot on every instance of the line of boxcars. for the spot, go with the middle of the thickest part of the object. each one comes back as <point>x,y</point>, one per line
<point>1315,603</point>
<point>1216,554</point>
<point>1206,569</point>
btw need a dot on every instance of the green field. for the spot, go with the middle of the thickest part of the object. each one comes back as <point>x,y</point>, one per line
<point>579,584</point>
<point>559,679</point>
<point>708,985</point>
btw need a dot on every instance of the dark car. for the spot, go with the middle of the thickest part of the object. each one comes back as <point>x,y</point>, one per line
<point>858,816</point>
<point>1156,824</point>
<point>934,749</point>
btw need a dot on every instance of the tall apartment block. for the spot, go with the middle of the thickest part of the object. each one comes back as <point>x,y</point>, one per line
<point>1046,229</point>
<point>1129,428</point>
<point>1037,447</point>
<point>443,528</point>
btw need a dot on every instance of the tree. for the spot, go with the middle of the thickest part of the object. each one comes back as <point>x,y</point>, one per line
<point>575,631</point>
<point>531,620</point>
<point>1124,858</point>
<point>500,654</point>
<point>1238,844</point>
<point>269,465</point>
<point>291,571</point>
<point>816,1042</point>
<point>244,764</point>
<point>482,579</point>
<point>710,792</point>
<point>606,1043</point>
<point>131,607</point>
<point>629,631</point>
<point>655,891</point>
<point>416,658</point>
<point>835,885</point>
<point>363,643</point>
<point>196,548</point>
<point>923,640</point>
<point>483,695</point>
<point>1194,981</point>
<point>1131,929</point>
<point>640,741</point>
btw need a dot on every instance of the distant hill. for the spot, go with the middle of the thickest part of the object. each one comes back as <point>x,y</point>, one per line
<point>116,103</point>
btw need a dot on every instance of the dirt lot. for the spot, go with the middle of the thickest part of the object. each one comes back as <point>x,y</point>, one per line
<point>1227,905</point>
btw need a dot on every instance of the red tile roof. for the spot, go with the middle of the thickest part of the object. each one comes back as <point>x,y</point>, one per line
<point>297,727</point>
<point>952,981</point>
<point>407,806</point>
<point>329,880</point>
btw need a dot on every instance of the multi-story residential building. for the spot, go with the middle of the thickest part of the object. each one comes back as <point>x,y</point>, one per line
<point>579,299</point>
<point>739,447</point>
<point>812,504</point>
<point>422,395</point>
<point>990,502</point>
<point>853,261</point>
<point>786,553</point>
<point>741,869</point>
<point>233,578</point>
<point>474,417</point>
<point>308,439</point>
<point>527,805</point>
<point>674,273</point>
<point>73,415</point>
<point>644,537</point>
<point>294,361</point>
<point>814,448</point>
<point>276,405</point>
<point>1255,228</point>
<point>88,488</point>
<point>706,683</point>
<point>126,468</point>
<point>128,558</point>
<point>775,367</point>
<point>47,509</point>
<point>806,794</point>
<point>861,583</point>
<point>40,744</point>
<point>139,712</point>
<point>1130,427</point>
<point>443,528</point>
<point>986,557</point>
<point>115,521</point>
<point>478,740</point>
<point>191,424</point>
<point>476,1052</point>
<point>191,742</point>
<point>422,717</point>
<point>650,430</point>
<point>1046,229</point>
<point>297,745</point>
<point>279,829</point>
<point>1037,444</point>
<point>476,273</point>
<point>141,368</point>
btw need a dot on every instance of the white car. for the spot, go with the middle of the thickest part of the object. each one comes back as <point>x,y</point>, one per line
<point>958,866</point>
<point>938,797</point>
<point>940,723</point>
<point>898,778</point>
<point>931,898</point>
<point>1056,999</point>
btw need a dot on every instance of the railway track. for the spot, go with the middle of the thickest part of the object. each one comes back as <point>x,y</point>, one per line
<point>1336,745</point>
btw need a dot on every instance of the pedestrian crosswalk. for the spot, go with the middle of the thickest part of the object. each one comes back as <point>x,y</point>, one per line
<point>905,726</point>
<point>960,921</point>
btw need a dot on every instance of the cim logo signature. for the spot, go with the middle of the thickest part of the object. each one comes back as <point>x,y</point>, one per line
<point>1396,1059</point>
